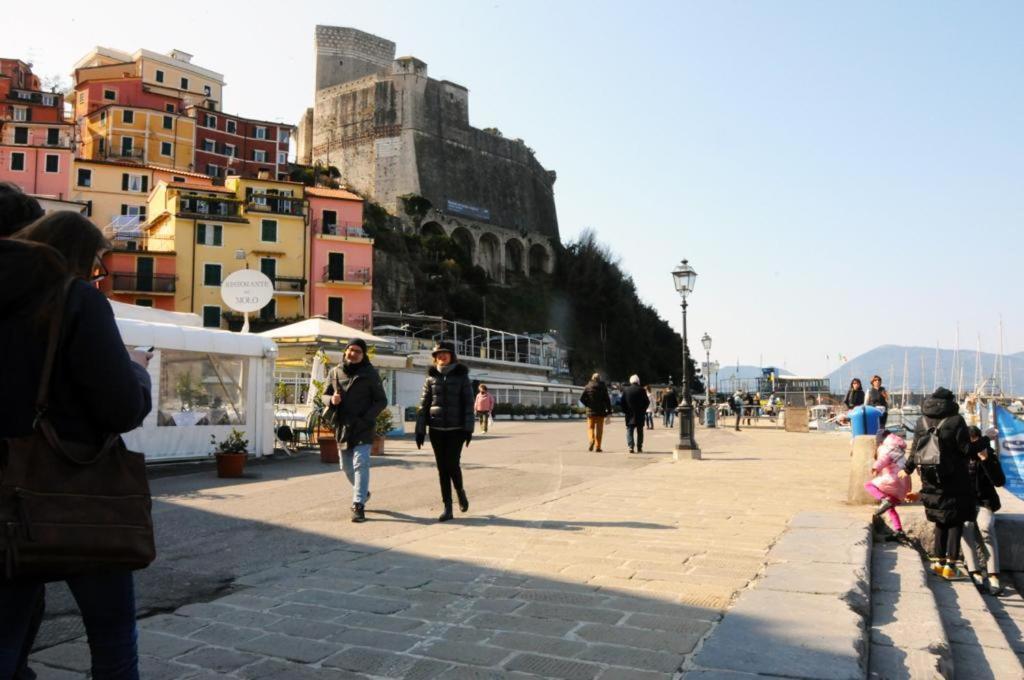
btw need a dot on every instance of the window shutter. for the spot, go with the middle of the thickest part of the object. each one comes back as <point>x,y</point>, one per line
<point>28,113</point>
<point>142,212</point>
<point>124,182</point>
<point>124,208</point>
<point>218,234</point>
<point>145,184</point>
<point>200,233</point>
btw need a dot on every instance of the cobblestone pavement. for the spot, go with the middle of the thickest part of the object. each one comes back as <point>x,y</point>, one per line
<point>620,576</point>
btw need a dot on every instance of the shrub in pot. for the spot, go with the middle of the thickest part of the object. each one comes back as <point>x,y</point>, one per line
<point>231,453</point>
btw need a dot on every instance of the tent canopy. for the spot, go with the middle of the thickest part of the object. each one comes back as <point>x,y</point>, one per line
<point>125,311</point>
<point>168,336</point>
<point>320,330</point>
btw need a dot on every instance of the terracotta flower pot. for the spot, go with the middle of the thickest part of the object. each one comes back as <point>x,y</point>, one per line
<point>377,449</point>
<point>231,464</point>
<point>328,449</point>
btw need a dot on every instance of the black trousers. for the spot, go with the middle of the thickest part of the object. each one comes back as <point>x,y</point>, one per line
<point>947,540</point>
<point>447,445</point>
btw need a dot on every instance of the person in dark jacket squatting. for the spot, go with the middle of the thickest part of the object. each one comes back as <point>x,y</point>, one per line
<point>946,492</point>
<point>359,398</point>
<point>447,407</point>
<point>634,406</point>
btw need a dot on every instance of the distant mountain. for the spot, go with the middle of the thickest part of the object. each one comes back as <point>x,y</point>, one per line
<point>887,361</point>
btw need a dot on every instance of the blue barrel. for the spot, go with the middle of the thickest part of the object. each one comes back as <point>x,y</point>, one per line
<point>709,415</point>
<point>865,420</point>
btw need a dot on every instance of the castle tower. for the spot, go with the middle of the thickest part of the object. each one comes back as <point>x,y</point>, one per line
<point>346,54</point>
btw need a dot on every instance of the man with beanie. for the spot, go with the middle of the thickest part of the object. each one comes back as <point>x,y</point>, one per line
<point>356,391</point>
<point>634,404</point>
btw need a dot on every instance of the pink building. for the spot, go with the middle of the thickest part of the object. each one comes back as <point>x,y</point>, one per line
<point>341,258</point>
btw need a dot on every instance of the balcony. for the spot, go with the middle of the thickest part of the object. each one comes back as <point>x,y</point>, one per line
<point>351,275</point>
<point>289,284</point>
<point>346,229</point>
<point>136,155</point>
<point>220,208</point>
<point>130,282</point>
<point>277,205</point>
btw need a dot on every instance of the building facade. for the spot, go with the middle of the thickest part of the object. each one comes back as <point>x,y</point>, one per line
<point>227,144</point>
<point>36,141</point>
<point>341,258</point>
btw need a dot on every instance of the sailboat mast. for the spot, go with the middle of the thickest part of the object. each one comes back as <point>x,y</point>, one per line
<point>903,401</point>
<point>935,375</point>
<point>956,368</point>
<point>977,366</point>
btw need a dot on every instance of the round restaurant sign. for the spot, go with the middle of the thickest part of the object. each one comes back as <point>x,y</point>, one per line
<point>247,290</point>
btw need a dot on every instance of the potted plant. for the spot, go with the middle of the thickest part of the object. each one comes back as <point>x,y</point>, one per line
<point>518,411</point>
<point>530,412</point>
<point>231,453</point>
<point>502,411</point>
<point>324,435</point>
<point>543,412</point>
<point>383,425</point>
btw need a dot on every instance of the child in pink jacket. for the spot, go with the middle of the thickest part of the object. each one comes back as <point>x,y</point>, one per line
<point>483,405</point>
<point>888,487</point>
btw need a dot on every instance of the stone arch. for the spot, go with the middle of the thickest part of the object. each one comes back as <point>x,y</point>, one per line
<point>432,229</point>
<point>464,239</point>
<point>540,259</point>
<point>490,256</point>
<point>514,256</point>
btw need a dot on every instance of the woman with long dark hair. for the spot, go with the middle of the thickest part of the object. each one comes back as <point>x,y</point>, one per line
<point>855,395</point>
<point>446,406</point>
<point>99,388</point>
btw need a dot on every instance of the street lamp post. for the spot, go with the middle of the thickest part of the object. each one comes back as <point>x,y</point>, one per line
<point>706,341</point>
<point>684,278</point>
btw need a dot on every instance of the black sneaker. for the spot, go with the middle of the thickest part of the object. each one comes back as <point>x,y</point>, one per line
<point>591,447</point>
<point>883,507</point>
<point>358,512</point>
<point>447,514</point>
<point>463,500</point>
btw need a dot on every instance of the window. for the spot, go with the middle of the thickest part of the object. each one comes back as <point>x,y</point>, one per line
<point>207,91</point>
<point>52,162</point>
<point>336,266</point>
<point>144,302</point>
<point>168,122</point>
<point>211,121</point>
<point>177,179</point>
<point>110,95</point>
<point>335,309</point>
<point>197,388</point>
<point>212,170</point>
<point>52,136</point>
<point>282,157</point>
<point>159,76</point>
<point>134,210</point>
<point>128,116</point>
<point>127,146</point>
<point>259,155</point>
<point>103,116</point>
<point>21,114</point>
<point>229,150</point>
<point>209,145</point>
<point>210,234</point>
<point>21,135</point>
<point>103,145</point>
<point>134,183</point>
<point>84,177</point>
<point>261,132</point>
<point>268,266</point>
<point>211,275</point>
<point>81,98</point>
<point>49,100</point>
<point>166,149</point>
<point>17,161</point>
<point>231,126</point>
<point>211,319</point>
<point>268,231</point>
<point>283,137</point>
<point>169,108</point>
<point>269,312</point>
<point>184,83</point>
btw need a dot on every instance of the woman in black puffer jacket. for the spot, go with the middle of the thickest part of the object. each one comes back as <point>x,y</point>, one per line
<point>946,489</point>
<point>447,407</point>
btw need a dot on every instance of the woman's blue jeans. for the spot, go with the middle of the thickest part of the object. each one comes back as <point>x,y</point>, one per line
<point>107,603</point>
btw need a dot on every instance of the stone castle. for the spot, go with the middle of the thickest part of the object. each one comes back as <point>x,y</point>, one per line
<point>392,131</point>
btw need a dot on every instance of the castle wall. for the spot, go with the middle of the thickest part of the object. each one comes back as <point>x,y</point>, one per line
<point>345,54</point>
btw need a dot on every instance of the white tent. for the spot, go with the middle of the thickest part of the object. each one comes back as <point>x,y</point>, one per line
<point>320,329</point>
<point>126,311</point>
<point>205,382</point>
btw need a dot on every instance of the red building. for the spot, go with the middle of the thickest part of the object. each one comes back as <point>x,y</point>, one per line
<point>227,144</point>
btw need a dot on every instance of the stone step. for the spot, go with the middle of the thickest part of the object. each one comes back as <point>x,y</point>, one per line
<point>908,641</point>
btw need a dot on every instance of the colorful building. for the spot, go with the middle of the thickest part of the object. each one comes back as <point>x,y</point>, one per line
<point>341,258</point>
<point>214,231</point>
<point>227,144</point>
<point>36,140</point>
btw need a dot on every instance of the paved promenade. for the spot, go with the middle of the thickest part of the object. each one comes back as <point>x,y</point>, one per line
<point>620,575</point>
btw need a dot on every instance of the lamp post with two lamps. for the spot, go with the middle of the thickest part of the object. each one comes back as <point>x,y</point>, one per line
<point>684,278</point>
<point>706,341</point>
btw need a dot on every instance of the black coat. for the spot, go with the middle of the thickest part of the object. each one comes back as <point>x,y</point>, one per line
<point>362,401</point>
<point>876,397</point>
<point>97,389</point>
<point>634,404</point>
<point>854,398</point>
<point>447,400</point>
<point>596,398</point>
<point>986,474</point>
<point>669,401</point>
<point>946,489</point>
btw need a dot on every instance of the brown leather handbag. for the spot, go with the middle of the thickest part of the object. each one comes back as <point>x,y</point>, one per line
<point>69,507</point>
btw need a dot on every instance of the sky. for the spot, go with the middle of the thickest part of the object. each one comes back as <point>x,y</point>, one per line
<point>840,175</point>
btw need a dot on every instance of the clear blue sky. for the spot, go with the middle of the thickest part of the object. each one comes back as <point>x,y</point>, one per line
<point>841,175</point>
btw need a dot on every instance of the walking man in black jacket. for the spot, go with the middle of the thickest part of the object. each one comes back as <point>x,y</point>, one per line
<point>356,391</point>
<point>599,406</point>
<point>634,406</point>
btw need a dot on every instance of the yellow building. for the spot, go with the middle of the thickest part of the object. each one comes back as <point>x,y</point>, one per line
<point>247,224</point>
<point>142,135</point>
<point>118,193</point>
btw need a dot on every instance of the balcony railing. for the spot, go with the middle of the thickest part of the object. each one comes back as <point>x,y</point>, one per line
<point>209,207</point>
<point>154,283</point>
<point>360,321</point>
<point>126,154</point>
<point>352,274</point>
<point>275,204</point>
<point>347,229</point>
<point>289,284</point>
